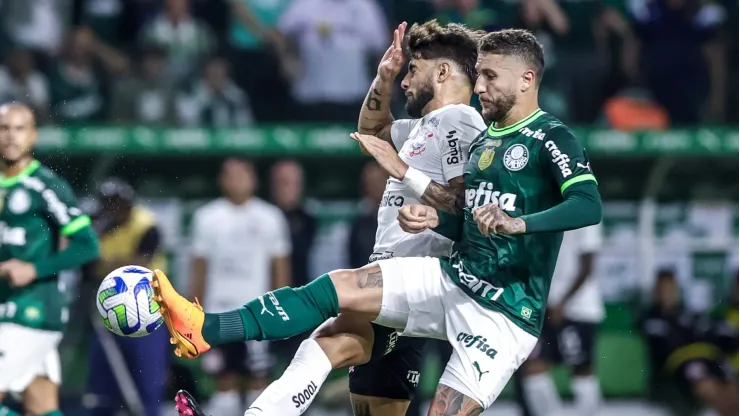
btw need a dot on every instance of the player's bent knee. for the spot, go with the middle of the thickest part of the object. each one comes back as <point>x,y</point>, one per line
<point>41,396</point>
<point>368,406</point>
<point>347,340</point>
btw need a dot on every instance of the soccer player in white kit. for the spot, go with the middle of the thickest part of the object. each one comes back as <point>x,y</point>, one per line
<point>438,88</point>
<point>575,309</point>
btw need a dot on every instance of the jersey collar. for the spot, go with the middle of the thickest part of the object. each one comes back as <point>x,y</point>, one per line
<point>435,112</point>
<point>10,181</point>
<point>494,132</point>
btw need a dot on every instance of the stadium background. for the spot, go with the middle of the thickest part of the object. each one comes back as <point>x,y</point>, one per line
<point>663,142</point>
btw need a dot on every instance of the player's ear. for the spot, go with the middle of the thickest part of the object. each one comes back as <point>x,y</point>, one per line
<point>527,80</point>
<point>444,71</point>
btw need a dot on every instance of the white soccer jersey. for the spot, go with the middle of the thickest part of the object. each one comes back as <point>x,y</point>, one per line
<point>586,304</point>
<point>238,243</point>
<point>437,145</point>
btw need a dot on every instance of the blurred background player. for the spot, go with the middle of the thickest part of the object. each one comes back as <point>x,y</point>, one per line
<point>241,244</point>
<point>128,235</point>
<point>44,233</point>
<point>574,312</point>
<point>680,355</point>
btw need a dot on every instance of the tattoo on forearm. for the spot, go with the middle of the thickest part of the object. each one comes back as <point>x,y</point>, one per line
<point>369,277</point>
<point>450,402</point>
<point>361,408</point>
<point>373,103</point>
<point>444,198</point>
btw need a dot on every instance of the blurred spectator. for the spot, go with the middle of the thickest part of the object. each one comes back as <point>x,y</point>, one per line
<point>146,97</point>
<point>492,15</point>
<point>335,39</point>
<point>253,38</point>
<point>20,81</point>
<point>286,189</point>
<point>679,354</point>
<point>129,235</point>
<point>77,80</point>
<point>581,56</point>
<point>214,100</point>
<point>683,57</point>
<point>37,25</point>
<point>186,39</point>
<point>362,233</point>
<point>723,328</point>
<point>632,110</point>
<point>241,248</point>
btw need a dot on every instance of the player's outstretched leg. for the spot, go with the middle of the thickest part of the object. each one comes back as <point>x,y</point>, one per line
<point>450,402</point>
<point>186,405</point>
<point>341,342</point>
<point>278,314</point>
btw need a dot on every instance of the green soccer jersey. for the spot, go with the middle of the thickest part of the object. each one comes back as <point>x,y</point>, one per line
<point>524,168</point>
<point>37,208</point>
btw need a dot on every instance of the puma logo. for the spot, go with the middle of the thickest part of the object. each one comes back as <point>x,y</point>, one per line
<point>586,166</point>
<point>477,368</point>
<point>264,307</point>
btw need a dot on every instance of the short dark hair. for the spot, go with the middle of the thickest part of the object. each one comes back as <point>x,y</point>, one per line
<point>455,42</point>
<point>519,43</point>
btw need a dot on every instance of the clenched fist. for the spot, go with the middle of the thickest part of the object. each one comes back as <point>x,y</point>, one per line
<point>491,219</point>
<point>416,218</point>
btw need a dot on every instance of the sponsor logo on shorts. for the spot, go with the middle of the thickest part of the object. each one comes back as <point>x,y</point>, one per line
<point>391,344</point>
<point>455,155</point>
<point>476,366</point>
<point>305,396</point>
<point>413,377</point>
<point>477,342</point>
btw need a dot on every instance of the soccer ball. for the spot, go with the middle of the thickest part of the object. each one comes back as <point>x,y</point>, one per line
<point>126,302</point>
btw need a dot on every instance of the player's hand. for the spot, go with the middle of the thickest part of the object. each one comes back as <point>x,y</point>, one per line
<point>19,273</point>
<point>416,218</point>
<point>384,154</point>
<point>491,219</point>
<point>393,60</point>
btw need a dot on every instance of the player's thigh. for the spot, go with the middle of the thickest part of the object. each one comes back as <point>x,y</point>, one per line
<point>487,348</point>
<point>575,342</point>
<point>394,370</point>
<point>412,297</point>
<point>25,353</point>
<point>371,406</point>
<point>41,396</point>
<point>347,339</point>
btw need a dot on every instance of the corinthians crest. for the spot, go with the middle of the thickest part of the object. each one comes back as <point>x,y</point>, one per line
<point>486,158</point>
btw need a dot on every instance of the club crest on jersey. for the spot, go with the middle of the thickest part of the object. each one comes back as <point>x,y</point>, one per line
<point>516,157</point>
<point>417,149</point>
<point>486,158</point>
<point>19,201</point>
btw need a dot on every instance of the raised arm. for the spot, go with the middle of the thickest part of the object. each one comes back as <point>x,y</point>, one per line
<point>375,114</point>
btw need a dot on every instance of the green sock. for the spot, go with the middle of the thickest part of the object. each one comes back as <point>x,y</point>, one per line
<point>6,411</point>
<point>280,314</point>
<point>54,413</point>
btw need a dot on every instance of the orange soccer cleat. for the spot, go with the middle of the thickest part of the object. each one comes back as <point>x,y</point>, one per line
<point>184,319</point>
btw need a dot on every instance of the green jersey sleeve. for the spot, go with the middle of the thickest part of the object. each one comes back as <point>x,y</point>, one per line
<point>565,159</point>
<point>62,210</point>
<point>450,225</point>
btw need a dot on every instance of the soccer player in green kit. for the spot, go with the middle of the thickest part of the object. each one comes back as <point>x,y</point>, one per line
<point>37,212</point>
<point>527,181</point>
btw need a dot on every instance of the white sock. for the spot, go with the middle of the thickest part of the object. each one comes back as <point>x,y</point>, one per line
<point>226,403</point>
<point>293,392</point>
<point>541,395</point>
<point>586,395</point>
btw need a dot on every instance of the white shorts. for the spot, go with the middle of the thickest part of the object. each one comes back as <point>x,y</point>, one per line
<point>420,300</point>
<point>25,354</point>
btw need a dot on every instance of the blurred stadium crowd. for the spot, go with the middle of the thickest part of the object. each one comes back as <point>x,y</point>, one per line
<point>620,64</point>
<point>225,63</point>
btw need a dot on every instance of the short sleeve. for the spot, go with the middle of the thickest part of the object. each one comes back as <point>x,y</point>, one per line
<point>279,235</point>
<point>200,237</point>
<point>456,131</point>
<point>589,239</point>
<point>565,159</point>
<point>401,129</point>
<point>61,207</point>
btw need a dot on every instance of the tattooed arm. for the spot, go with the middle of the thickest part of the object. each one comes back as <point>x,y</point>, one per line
<point>375,114</point>
<point>450,402</point>
<point>449,198</point>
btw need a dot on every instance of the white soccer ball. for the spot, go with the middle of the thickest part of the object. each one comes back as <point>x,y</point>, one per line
<point>126,302</point>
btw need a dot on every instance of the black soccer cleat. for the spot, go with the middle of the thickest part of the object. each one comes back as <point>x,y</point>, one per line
<point>186,405</point>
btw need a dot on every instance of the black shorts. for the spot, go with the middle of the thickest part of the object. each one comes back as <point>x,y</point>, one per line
<point>571,344</point>
<point>394,369</point>
<point>250,358</point>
